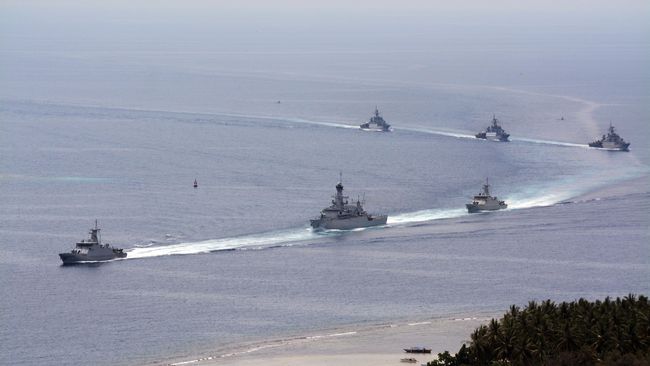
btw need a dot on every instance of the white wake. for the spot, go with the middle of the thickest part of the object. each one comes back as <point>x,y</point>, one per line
<point>213,245</point>
<point>548,142</point>
<point>425,215</point>
<point>545,194</point>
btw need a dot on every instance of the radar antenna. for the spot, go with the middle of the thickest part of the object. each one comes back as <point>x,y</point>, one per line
<point>486,187</point>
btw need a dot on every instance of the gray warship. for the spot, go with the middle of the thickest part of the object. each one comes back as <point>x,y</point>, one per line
<point>612,141</point>
<point>484,202</point>
<point>342,216</point>
<point>91,250</point>
<point>494,132</point>
<point>376,123</point>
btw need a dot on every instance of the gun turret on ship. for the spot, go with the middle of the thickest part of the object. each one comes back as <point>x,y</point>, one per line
<point>494,132</point>
<point>92,250</point>
<point>376,123</point>
<point>611,141</point>
<point>343,216</point>
<point>485,202</point>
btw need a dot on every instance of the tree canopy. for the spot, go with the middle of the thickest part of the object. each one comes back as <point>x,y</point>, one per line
<point>607,332</point>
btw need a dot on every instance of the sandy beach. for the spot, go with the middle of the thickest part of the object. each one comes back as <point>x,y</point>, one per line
<point>378,344</point>
<point>370,345</point>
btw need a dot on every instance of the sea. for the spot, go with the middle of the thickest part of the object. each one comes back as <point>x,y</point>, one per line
<point>110,112</point>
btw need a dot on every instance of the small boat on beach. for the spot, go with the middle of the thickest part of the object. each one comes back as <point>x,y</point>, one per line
<point>408,360</point>
<point>417,350</point>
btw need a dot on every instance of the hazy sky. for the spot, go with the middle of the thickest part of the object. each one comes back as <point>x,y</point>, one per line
<point>29,20</point>
<point>331,10</point>
<point>99,51</point>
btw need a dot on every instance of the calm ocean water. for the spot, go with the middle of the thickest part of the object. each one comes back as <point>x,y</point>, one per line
<point>120,136</point>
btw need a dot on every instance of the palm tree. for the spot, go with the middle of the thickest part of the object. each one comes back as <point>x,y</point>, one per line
<point>579,332</point>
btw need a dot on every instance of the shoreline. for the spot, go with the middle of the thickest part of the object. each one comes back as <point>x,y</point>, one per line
<point>372,344</point>
<point>378,344</point>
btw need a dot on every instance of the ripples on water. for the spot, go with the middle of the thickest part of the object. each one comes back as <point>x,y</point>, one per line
<point>184,286</point>
<point>119,135</point>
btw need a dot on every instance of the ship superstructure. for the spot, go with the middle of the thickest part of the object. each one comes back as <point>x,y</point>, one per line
<point>483,201</point>
<point>92,250</point>
<point>611,141</point>
<point>494,132</point>
<point>344,216</point>
<point>376,123</point>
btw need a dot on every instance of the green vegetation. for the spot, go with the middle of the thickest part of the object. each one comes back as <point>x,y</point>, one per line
<point>609,332</point>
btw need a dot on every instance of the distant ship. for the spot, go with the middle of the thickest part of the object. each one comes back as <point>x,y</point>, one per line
<point>484,202</point>
<point>376,123</point>
<point>612,141</point>
<point>417,350</point>
<point>342,216</point>
<point>92,250</point>
<point>494,132</point>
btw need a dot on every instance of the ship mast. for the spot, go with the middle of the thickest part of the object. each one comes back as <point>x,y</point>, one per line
<point>339,197</point>
<point>486,187</point>
<point>94,233</point>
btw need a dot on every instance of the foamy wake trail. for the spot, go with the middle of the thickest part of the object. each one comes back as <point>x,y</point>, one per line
<point>275,238</point>
<point>518,201</point>
<point>283,237</point>
<point>424,215</point>
<point>532,196</point>
<point>429,131</point>
<point>245,241</point>
<point>438,132</point>
<point>469,136</point>
<point>326,124</point>
<point>547,142</point>
<point>292,120</point>
<point>569,188</point>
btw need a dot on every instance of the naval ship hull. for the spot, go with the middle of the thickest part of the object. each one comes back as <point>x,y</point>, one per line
<point>374,128</point>
<point>71,258</point>
<point>610,146</point>
<point>473,208</point>
<point>349,223</point>
<point>490,136</point>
